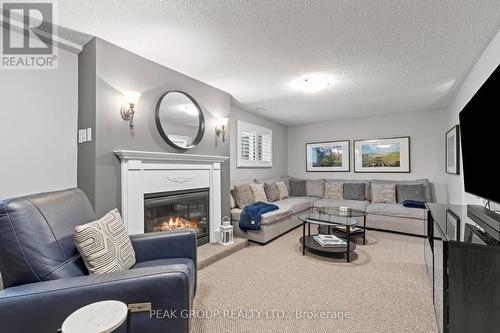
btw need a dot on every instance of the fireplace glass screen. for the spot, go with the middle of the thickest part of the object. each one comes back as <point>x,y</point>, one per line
<point>178,210</point>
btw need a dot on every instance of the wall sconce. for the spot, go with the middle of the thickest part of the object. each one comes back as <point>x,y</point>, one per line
<point>131,98</point>
<point>220,128</point>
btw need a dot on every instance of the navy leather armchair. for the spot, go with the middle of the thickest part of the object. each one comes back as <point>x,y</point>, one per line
<point>45,279</point>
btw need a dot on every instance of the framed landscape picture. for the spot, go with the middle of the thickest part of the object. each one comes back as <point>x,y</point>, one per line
<point>382,155</point>
<point>452,151</point>
<point>328,156</point>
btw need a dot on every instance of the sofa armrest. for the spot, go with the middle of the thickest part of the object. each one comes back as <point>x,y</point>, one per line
<point>43,306</point>
<point>164,245</point>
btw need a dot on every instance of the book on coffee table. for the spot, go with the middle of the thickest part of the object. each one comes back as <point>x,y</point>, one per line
<point>329,240</point>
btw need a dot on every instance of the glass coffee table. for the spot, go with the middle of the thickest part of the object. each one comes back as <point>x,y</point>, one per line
<point>322,217</point>
<point>359,231</point>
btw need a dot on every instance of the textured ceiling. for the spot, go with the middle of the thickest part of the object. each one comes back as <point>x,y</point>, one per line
<point>386,56</point>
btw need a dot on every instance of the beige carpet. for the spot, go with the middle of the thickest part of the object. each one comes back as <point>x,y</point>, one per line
<point>383,289</point>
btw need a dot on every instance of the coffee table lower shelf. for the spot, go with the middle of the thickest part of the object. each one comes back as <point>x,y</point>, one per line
<point>315,246</point>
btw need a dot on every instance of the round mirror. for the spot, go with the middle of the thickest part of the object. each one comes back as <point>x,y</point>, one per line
<point>179,120</point>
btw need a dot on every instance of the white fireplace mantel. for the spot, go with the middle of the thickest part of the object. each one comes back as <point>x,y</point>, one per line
<point>144,172</point>
<point>160,156</point>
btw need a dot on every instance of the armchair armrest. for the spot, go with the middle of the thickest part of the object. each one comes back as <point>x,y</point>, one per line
<point>165,245</point>
<point>43,306</point>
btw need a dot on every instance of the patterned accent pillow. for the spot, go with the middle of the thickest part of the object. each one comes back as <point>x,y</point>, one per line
<point>282,190</point>
<point>384,193</point>
<point>334,191</point>
<point>298,188</point>
<point>410,192</point>
<point>354,191</point>
<point>258,192</point>
<point>105,244</point>
<point>244,195</point>
<point>271,191</point>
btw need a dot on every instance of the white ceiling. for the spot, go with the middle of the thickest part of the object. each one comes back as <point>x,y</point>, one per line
<point>386,56</point>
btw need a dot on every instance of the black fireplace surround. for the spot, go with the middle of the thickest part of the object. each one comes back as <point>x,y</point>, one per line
<point>178,210</point>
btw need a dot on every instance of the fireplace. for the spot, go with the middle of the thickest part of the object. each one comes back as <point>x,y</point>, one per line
<point>178,210</point>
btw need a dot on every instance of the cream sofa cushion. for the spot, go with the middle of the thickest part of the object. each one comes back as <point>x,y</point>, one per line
<point>384,193</point>
<point>353,204</point>
<point>258,192</point>
<point>396,210</point>
<point>334,190</point>
<point>282,190</point>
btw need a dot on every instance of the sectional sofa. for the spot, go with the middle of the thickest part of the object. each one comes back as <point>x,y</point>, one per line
<point>382,216</point>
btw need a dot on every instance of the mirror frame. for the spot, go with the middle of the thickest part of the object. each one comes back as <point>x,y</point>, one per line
<point>201,127</point>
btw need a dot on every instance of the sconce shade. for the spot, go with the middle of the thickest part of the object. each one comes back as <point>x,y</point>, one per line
<point>131,97</point>
<point>222,121</point>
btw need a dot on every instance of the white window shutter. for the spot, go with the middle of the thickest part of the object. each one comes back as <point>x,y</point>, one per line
<point>255,146</point>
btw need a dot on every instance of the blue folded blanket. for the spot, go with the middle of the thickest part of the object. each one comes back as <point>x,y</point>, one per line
<point>414,204</point>
<point>252,214</point>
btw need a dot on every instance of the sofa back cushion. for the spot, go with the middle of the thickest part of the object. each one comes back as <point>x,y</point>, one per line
<point>410,192</point>
<point>353,191</point>
<point>298,188</point>
<point>368,194</point>
<point>334,190</point>
<point>424,182</point>
<point>258,192</point>
<point>315,187</point>
<point>244,195</point>
<point>282,190</point>
<point>271,191</point>
<point>384,193</point>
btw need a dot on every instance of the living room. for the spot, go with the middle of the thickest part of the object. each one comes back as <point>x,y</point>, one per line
<point>249,166</point>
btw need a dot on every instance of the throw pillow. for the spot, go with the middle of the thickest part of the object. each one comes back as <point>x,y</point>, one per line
<point>298,188</point>
<point>258,192</point>
<point>244,195</point>
<point>334,191</point>
<point>410,192</point>
<point>232,197</point>
<point>282,190</point>
<point>286,180</point>
<point>105,244</point>
<point>315,187</point>
<point>384,193</point>
<point>354,191</point>
<point>271,191</point>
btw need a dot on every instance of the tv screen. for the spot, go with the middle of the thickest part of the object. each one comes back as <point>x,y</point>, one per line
<point>480,138</point>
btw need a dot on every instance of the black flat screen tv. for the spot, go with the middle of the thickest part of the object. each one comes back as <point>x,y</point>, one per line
<point>480,138</point>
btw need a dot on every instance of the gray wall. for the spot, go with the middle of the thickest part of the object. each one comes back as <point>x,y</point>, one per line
<point>280,167</point>
<point>86,118</point>
<point>486,64</point>
<point>118,70</point>
<point>424,128</point>
<point>38,135</point>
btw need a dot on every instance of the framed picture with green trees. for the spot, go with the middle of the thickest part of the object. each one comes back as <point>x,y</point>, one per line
<point>329,156</point>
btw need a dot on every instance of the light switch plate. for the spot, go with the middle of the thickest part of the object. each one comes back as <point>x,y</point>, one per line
<point>89,134</point>
<point>81,139</point>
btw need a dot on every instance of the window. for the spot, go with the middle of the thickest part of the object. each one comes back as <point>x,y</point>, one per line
<point>255,146</point>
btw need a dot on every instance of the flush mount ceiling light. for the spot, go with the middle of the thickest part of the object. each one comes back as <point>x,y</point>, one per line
<point>313,83</point>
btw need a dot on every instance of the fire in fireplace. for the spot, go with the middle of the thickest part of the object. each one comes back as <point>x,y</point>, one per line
<point>178,210</point>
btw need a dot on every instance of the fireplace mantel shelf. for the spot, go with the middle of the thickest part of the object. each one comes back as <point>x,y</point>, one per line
<point>160,156</point>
